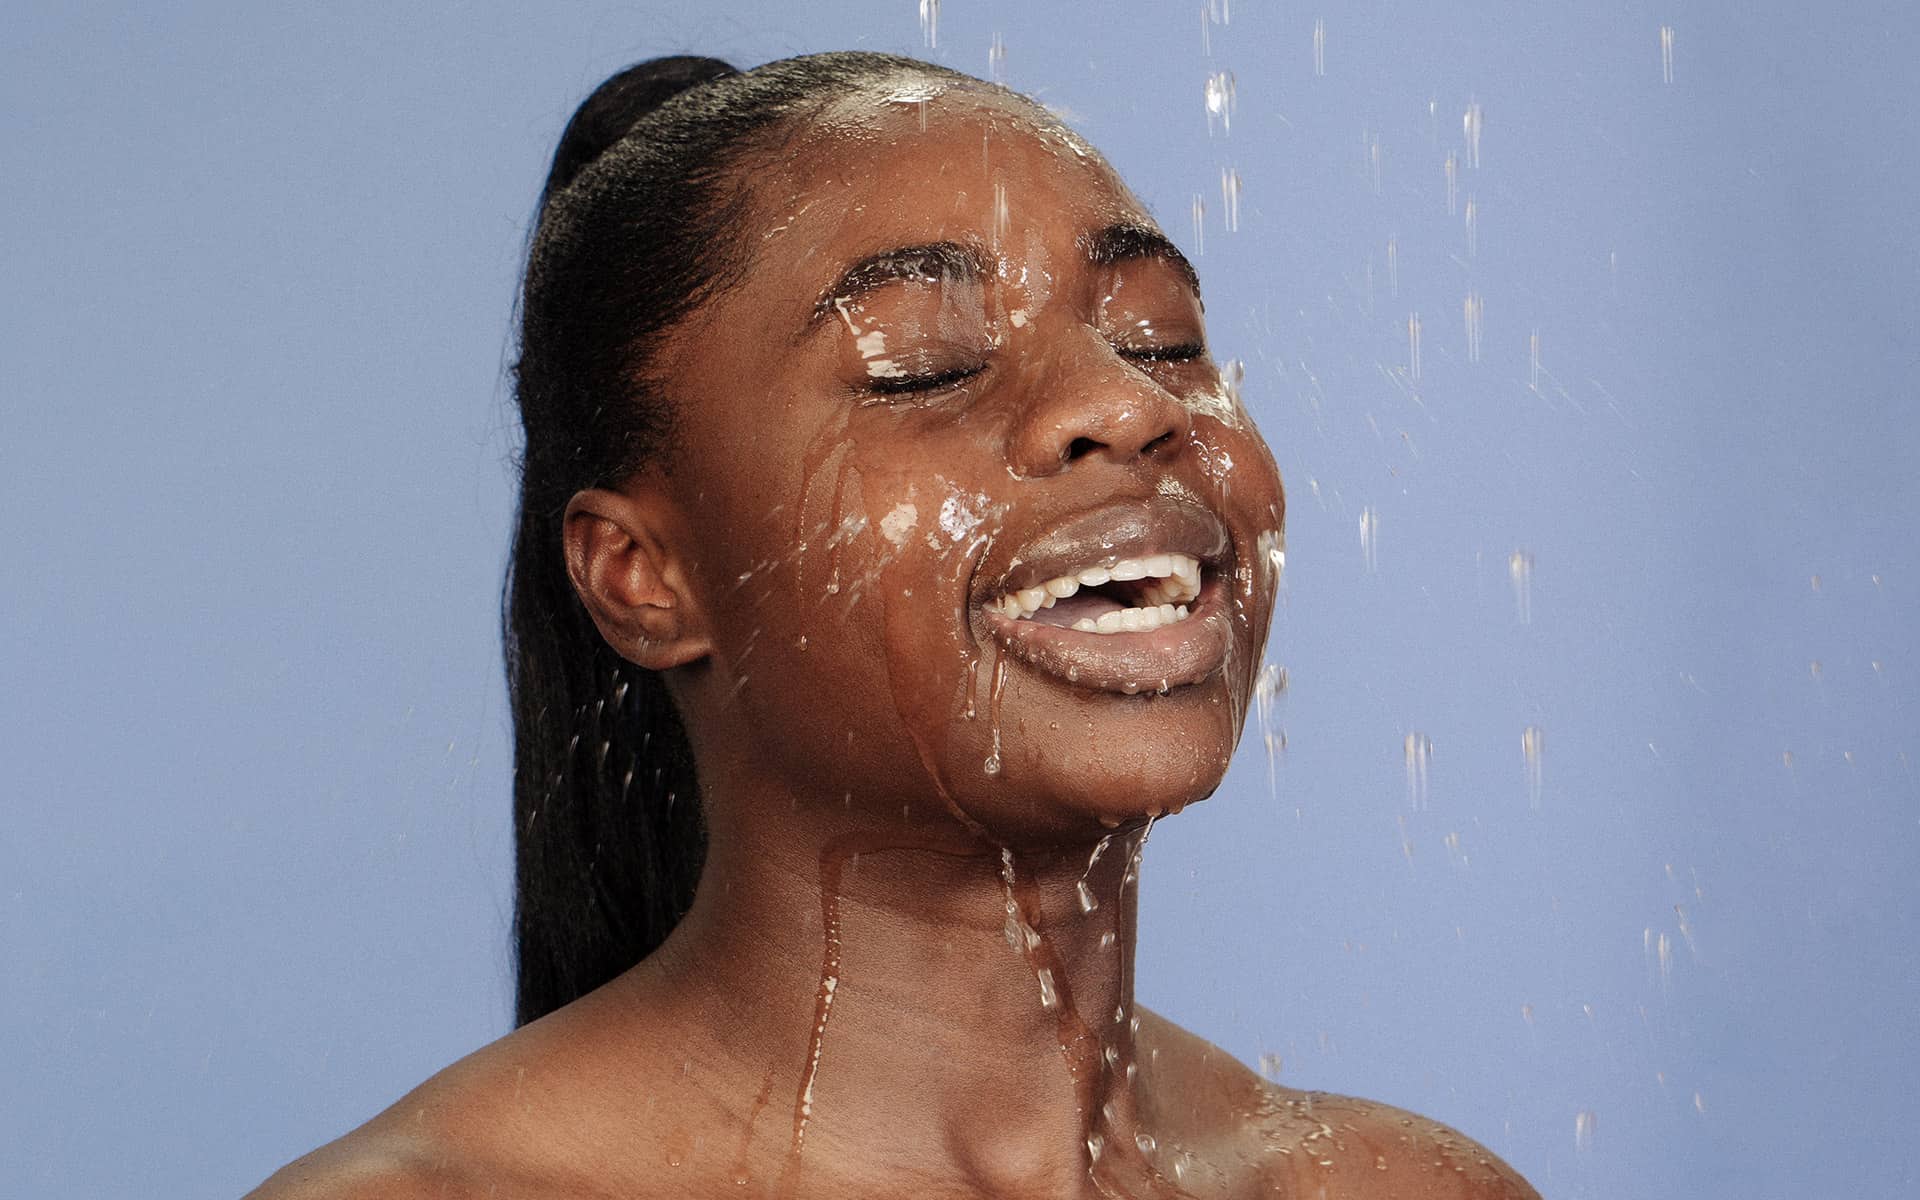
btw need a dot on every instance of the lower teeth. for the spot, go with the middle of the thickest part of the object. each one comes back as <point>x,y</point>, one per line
<point>1132,620</point>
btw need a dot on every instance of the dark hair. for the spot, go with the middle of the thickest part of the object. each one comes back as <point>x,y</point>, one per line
<point>637,226</point>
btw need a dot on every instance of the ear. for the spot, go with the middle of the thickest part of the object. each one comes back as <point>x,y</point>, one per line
<point>623,566</point>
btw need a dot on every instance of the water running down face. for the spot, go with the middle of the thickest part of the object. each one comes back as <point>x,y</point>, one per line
<point>965,508</point>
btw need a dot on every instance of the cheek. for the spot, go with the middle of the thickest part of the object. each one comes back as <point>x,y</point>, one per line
<point>927,535</point>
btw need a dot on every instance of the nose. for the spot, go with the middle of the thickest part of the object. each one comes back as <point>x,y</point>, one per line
<point>1095,404</point>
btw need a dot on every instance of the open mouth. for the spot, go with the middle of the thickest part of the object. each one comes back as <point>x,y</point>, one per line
<point>1127,598</point>
<point>1133,595</point>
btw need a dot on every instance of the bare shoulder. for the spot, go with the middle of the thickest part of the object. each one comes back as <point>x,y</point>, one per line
<point>1344,1146</point>
<point>1314,1143</point>
<point>492,1125</point>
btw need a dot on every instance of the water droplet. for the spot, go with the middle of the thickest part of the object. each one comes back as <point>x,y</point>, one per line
<point>1520,574</point>
<point>1084,895</point>
<point>1230,199</point>
<point>997,60</point>
<point>1222,98</point>
<point>992,765</point>
<point>1419,752</point>
<point>1413,345</point>
<point>1049,998</point>
<point>1471,123</point>
<point>1583,1125</point>
<point>1532,742</point>
<point>1370,537</point>
<point>1199,225</point>
<point>1453,183</point>
<point>1146,1143</point>
<point>1475,310</point>
<point>1319,46</point>
<point>1473,226</point>
<point>1666,54</point>
<point>930,22</point>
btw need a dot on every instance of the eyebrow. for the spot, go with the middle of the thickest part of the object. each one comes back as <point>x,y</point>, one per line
<point>1129,241</point>
<point>949,262</point>
<point>935,262</point>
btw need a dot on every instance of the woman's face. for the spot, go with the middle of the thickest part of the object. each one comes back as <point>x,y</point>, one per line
<point>970,512</point>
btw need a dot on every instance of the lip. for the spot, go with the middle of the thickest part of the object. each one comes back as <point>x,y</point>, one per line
<point>1156,660</point>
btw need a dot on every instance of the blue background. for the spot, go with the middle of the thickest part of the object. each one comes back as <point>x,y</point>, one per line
<point>259,264</point>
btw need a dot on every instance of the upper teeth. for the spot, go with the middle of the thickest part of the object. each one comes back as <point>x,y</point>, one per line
<point>1175,583</point>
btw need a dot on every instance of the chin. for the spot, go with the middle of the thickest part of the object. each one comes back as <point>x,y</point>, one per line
<point>1055,789</point>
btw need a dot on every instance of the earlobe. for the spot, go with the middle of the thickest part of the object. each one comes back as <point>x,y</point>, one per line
<point>631,582</point>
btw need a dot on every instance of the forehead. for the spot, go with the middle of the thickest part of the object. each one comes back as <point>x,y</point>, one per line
<point>923,160</point>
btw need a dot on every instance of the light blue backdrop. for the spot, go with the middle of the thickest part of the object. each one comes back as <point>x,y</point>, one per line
<point>256,272</point>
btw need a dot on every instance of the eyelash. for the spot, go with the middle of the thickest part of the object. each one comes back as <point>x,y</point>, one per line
<point>894,385</point>
<point>1185,352</point>
<point>941,381</point>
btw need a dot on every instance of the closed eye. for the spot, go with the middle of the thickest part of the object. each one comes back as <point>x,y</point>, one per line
<point>1185,352</point>
<point>894,385</point>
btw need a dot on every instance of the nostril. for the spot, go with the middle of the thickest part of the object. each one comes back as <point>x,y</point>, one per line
<point>1079,448</point>
<point>1156,443</point>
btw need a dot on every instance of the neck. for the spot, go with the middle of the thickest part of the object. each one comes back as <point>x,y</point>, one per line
<point>961,1008</point>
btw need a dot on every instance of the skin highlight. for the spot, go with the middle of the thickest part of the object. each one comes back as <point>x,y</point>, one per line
<point>891,981</point>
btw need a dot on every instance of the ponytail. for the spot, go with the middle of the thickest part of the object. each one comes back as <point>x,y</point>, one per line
<point>636,228</point>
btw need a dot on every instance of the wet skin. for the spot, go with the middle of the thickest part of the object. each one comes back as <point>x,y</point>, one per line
<point>890,983</point>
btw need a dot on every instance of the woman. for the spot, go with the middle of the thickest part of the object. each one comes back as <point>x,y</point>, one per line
<point>891,556</point>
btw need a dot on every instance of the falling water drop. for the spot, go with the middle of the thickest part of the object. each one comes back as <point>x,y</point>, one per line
<point>1533,360</point>
<point>1272,544</point>
<point>1666,54</point>
<point>1532,742</point>
<point>1199,224</point>
<point>930,22</point>
<point>1049,998</point>
<point>1393,266</point>
<point>1233,376</point>
<point>1583,1123</point>
<point>1474,309</point>
<point>1319,46</point>
<point>1453,183</point>
<point>1473,227</point>
<point>1267,689</point>
<point>1222,99</point>
<point>1230,199</point>
<point>1370,537</point>
<point>997,59</point>
<point>1419,752</point>
<point>1471,124</point>
<point>1413,345</point>
<point>1520,574</point>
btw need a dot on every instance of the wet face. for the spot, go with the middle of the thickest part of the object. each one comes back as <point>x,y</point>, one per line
<point>974,524</point>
